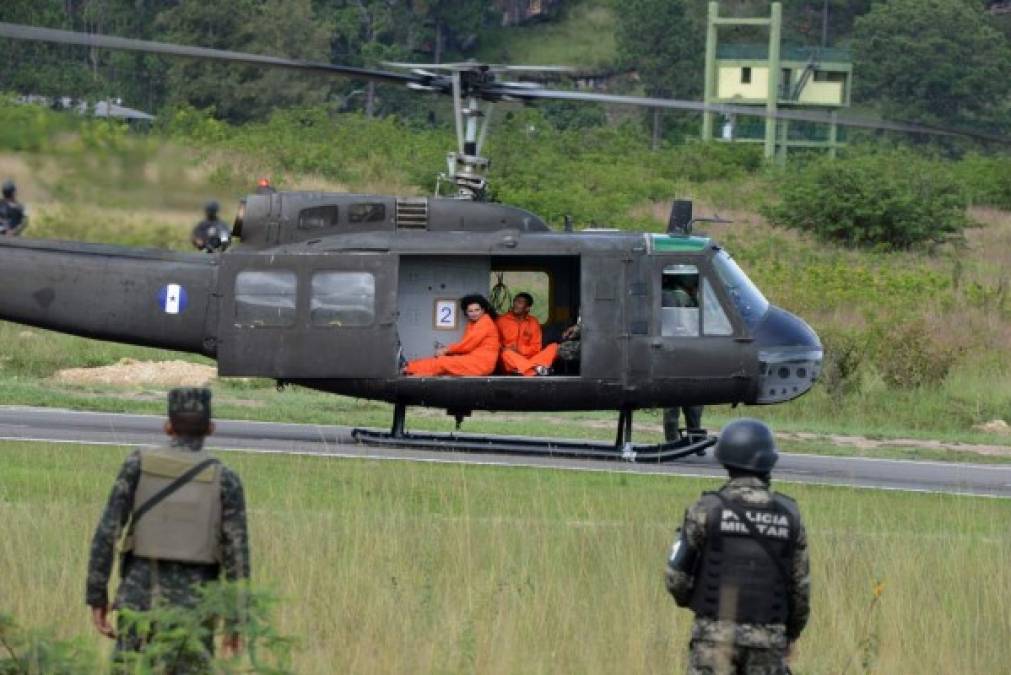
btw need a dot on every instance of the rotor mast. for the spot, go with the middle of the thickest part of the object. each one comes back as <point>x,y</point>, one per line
<point>467,167</point>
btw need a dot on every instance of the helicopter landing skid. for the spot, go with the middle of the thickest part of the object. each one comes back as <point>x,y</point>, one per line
<point>622,450</point>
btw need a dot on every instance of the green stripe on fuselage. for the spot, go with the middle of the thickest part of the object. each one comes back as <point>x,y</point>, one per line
<point>666,243</point>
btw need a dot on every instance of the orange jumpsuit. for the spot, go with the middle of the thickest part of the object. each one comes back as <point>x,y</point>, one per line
<point>521,345</point>
<point>475,354</point>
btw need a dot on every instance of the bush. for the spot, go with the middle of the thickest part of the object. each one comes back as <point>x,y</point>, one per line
<point>907,355</point>
<point>987,180</point>
<point>844,356</point>
<point>174,639</point>
<point>890,200</point>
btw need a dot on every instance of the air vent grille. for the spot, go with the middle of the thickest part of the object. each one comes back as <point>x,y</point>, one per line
<point>412,214</point>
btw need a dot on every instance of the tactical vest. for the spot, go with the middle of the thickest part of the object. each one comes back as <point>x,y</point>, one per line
<point>185,526</point>
<point>738,580</point>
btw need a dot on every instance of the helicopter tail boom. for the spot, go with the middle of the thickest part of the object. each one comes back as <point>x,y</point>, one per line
<point>136,296</point>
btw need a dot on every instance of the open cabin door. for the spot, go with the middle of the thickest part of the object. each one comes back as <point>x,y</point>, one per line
<point>302,317</point>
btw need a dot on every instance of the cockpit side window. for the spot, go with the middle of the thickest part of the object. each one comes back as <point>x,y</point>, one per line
<point>750,302</point>
<point>714,319</point>
<point>366,212</point>
<point>679,301</point>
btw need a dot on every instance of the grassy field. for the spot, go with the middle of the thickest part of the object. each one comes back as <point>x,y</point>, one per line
<point>401,567</point>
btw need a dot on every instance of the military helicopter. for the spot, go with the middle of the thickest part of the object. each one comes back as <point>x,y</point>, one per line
<point>331,291</point>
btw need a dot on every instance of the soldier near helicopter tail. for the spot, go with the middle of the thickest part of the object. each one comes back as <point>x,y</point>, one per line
<point>211,234</point>
<point>183,514</point>
<point>13,219</point>
<point>740,562</point>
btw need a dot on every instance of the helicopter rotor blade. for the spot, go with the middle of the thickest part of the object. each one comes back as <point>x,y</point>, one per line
<point>32,33</point>
<point>478,65</point>
<point>486,89</point>
<point>527,94</point>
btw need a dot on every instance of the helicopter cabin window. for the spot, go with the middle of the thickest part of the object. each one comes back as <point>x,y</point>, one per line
<point>367,212</point>
<point>679,301</point>
<point>265,298</point>
<point>340,299</point>
<point>318,217</point>
<point>714,319</point>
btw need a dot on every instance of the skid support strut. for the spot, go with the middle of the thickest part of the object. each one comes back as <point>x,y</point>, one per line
<point>623,448</point>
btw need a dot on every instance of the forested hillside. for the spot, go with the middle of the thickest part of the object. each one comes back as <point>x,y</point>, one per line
<point>933,61</point>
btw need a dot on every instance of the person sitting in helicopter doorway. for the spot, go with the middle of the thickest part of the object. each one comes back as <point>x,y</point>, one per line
<point>477,351</point>
<point>740,562</point>
<point>211,234</point>
<point>13,219</point>
<point>522,352</point>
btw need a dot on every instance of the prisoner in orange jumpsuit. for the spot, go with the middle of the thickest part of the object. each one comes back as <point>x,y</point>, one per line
<point>521,340</point>
<point>475,354</point>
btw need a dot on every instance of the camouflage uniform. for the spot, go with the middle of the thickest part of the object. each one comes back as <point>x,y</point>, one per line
<point>693,421</point>
<point>12,217</point>
<point>147,581</point>
<point>719,646</point>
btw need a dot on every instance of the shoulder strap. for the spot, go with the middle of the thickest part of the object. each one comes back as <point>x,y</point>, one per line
<point>761,541</point>
<point>156,498</point>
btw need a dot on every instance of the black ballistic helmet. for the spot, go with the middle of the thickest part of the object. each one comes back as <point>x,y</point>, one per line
<point>747,444</point>
<point>211,208</point>
<point>9,188</point>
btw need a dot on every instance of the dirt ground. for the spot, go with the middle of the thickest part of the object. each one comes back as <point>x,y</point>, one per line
<point>130,372</point>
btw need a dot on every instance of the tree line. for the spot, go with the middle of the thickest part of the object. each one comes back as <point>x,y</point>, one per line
<point>930,61</point>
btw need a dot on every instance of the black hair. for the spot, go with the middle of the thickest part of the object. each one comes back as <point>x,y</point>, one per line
<point>526,296</point>
<point>477,299</point>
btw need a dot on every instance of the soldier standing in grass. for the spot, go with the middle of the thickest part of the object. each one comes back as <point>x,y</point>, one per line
<point>12,212</point>
<point>184,515</point>
<point>740,562</point>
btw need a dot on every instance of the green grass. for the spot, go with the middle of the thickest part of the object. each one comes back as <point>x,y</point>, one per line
<point>395,566</point>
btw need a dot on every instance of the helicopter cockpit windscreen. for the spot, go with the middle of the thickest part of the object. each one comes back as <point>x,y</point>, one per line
<point>750,302</point>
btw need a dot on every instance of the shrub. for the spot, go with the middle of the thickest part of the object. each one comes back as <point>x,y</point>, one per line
<point>908,356</point>
<point>176,645</point>
<point>844,356</point>
<point>891,200</point>
<point>24,652</point>
<point>987,180</point>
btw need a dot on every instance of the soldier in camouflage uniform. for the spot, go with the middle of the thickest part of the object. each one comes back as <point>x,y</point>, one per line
<point>740,562</point>
<point>184,517</point>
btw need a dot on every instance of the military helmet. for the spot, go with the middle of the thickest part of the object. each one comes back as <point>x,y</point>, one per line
<point>211,207</point>
<point>189,409</point>
<point>747,444</point>
<point>9,188</point>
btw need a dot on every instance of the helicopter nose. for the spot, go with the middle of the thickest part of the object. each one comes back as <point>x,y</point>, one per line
<point>789,354</point>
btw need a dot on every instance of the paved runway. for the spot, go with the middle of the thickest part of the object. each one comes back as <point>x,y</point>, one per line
<point>55,425</point>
